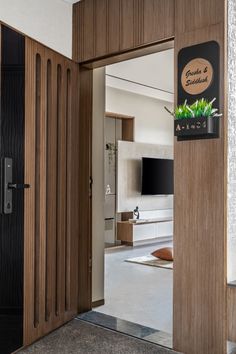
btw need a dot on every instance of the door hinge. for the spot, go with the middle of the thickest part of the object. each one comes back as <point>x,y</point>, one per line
<point>90,264</point>
<point>90,186</point>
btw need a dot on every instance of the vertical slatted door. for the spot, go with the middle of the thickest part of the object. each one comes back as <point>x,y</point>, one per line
<point>51,204</point>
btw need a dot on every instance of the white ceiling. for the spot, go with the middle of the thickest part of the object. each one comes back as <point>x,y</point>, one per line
<point>151,75</point>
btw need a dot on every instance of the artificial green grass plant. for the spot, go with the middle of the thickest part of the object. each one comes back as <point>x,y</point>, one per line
<point>200,108</point>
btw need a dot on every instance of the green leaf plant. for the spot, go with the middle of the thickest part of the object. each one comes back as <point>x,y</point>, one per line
<point>200,108</point>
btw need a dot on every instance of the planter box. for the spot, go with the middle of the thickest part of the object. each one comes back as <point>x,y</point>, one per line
<point>197,128</point>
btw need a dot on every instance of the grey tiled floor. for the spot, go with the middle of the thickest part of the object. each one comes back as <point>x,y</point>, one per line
<point>138,293</point>
<point>78,337</point>
<point>133,329</point>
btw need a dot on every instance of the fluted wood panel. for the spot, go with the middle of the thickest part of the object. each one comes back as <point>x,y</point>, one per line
<point>51,204</point>
<point>154,13</point>
<point>127,24</point>
<point>200,171</point>
<point>106,27</point>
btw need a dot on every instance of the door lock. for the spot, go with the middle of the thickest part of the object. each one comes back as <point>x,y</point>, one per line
<point>18,186</point>
<point>7,186</point>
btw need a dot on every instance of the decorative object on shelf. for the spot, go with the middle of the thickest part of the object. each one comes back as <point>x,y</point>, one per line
<point>199,119</point>
<point>108,189</point>
<point>136,213</point>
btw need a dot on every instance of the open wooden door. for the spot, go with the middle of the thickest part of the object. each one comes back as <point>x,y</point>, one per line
<point>12,82</point>
<point>51,202</point>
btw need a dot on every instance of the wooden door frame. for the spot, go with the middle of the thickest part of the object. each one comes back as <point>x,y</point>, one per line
<point>85,156</point>
<point>190,278</point>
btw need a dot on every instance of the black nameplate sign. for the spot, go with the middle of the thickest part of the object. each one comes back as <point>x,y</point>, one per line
<point>198,77</point>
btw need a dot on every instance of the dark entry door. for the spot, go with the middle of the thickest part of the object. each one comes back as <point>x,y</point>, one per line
<point>12,189</point>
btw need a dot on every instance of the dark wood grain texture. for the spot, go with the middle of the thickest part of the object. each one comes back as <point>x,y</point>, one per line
<point>85,188</point>
<point>51,205</point>
<point>107,27</point>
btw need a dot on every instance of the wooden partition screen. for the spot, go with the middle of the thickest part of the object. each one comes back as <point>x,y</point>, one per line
<point>51,203</point>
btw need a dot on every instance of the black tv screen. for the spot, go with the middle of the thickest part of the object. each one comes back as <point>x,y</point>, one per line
<point>157,176</point>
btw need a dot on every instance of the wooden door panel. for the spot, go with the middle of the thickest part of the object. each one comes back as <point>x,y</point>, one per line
<point>51,168</point>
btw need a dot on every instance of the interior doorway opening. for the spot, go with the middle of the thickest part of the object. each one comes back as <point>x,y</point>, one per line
<point>129,224</point>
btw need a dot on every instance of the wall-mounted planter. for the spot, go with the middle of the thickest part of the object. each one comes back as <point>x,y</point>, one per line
<point>197,128</point>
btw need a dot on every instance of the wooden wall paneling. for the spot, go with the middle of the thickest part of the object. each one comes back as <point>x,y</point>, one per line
<point>101,27</point>
<point>200,228</point>
<point>88,29</point>
<point>231,313</point>
<point>78,34</point>
<point>127,24</point>
<point>113,26</point>
<point>85,202</point>
<point>157,20</point>
<point>206,13</point>
<point>51,204</point>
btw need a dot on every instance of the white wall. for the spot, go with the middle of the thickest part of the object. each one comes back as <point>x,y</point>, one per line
<point>98,199</point>
<point>47,21</point>
<point>152,123</point>
<point>129,180</point>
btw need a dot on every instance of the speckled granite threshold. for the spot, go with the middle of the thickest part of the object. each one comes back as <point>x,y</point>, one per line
<point>129,328</point>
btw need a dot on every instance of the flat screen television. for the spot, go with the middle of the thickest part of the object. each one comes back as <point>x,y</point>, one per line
<point>157,176</point>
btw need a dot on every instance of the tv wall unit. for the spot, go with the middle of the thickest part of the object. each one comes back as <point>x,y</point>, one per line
<point>156,228</point>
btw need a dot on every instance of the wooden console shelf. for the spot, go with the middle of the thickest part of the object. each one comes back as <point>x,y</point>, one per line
<point>130,232</point>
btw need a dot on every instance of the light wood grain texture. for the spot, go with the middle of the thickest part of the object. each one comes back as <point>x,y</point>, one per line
<point>231,313</point>
<point>124,231</point>
<point>200,207</point>
<point>128,129</point>
<point>107,27</point>
<point>51,204</point>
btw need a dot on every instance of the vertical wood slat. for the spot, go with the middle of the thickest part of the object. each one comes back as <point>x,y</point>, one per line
<point>154,12</point>
<point>55,298</point>
<point>113,30</point>
<point>101,25</point>
<point>127,27</point>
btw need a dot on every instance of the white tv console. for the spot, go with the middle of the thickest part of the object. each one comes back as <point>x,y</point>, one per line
<point>158,227</point>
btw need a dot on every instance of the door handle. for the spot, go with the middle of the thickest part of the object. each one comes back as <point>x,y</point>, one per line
<point>18,186</point>
<point>7,186</point>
